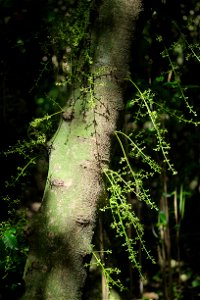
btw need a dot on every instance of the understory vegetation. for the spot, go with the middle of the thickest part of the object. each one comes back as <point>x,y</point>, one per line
<point>146,244</point>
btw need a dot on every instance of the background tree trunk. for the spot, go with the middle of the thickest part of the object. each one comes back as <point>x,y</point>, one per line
<point>80,149</point>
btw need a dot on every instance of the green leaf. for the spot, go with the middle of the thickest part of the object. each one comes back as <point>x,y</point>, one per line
<point>9,238</point>
<point>182,203</point>
<point>162,219</point>
<point>195,283</point>
<point>129,104</point>
<point>160,78</point>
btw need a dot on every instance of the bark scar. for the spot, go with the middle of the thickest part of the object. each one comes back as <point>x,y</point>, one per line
<point>68,114</point>
<point>82,221</point>
<point>57,182</point>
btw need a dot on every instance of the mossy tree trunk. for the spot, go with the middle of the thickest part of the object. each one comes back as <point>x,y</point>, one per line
<point>80,150</point>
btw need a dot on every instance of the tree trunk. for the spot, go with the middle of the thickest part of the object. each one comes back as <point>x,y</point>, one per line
<point>80,150</point>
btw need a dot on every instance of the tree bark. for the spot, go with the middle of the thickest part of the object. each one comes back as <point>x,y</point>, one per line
<point>80,150</point>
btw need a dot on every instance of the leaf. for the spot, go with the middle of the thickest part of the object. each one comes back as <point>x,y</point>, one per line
<point>129,104</point>
<point>195,283</point>
<point>162,219</point>
<point>182,203</point>
<point>9,238</point>
<point>160,78</point>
